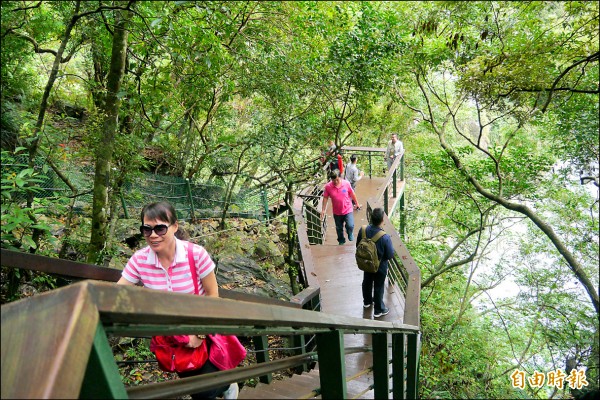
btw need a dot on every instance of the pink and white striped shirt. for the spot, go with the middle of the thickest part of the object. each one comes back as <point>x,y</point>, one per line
<point>144,266</point>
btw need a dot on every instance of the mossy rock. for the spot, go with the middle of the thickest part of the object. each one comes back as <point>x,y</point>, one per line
<point>126,229</point>
<point>266,249</point>
<point>243,274</point>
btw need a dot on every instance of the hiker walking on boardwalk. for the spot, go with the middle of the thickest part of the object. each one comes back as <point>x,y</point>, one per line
<point>352,174</point>
<point>373,285</point>
<point>328,157</point>
<point>394,149</point>
<point>342,195</point>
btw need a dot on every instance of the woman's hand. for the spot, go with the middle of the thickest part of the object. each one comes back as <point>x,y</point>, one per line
<point>195,340</point>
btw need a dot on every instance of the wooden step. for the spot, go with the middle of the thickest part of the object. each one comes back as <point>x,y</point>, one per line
<point>301,385</point>
<point>290,388</point>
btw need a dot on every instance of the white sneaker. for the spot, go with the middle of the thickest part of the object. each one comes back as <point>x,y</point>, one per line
<point>232,392</point>
<point>386,311</point>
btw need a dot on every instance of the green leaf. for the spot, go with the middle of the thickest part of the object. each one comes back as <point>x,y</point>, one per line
<point>28,242</point>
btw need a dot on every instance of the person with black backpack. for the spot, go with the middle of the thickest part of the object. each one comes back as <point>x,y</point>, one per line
<point>373,251</point>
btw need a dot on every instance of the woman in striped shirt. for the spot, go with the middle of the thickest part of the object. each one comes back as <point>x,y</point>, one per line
<point>164,265</point>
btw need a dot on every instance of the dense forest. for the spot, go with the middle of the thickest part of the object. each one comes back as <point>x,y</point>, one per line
<point>496,104</point>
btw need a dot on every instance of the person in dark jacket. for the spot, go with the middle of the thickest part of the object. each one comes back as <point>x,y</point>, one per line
<point>373,285</point>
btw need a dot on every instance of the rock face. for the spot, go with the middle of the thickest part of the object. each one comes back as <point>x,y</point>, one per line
<point>266,249</point>
<point>243,274</point>
<point>248,259</point>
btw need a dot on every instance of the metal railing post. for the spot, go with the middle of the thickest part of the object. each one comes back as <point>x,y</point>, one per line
<point>191,200</point>
<point>332,366</point>
<point>386,200</point>
<point>398,366</point>
<point>102,379</point>
<point>261,346</point>
<point>412,363</point>
<point>402,218</point>
<point>402,168</point>
<point>370,166</point>
<point>381,380</point>
<point>299,344</point>
<point>394,184</point>
<point>265,201</point>
<point>124,205</point>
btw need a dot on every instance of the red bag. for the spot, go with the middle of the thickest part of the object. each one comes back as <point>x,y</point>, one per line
<point>226,351</point>
<point>173,356</point>
<point>171,352</point>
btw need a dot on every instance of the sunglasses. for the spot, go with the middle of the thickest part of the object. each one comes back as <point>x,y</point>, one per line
<point>160,229</point>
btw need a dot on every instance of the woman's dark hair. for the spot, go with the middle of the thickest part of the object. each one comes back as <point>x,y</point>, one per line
<point>377,216</point>
<point>162,210</point>
<point>353,158</point>
<point>334,174</point>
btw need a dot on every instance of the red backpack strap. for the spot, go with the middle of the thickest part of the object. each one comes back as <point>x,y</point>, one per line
<point>190,253</point>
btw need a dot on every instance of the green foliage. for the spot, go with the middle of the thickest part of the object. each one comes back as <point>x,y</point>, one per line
<point>136,349</point>
<point>572,131</point>
<point>19,221</point>
<point>246,92</point>
<point>461,357</point>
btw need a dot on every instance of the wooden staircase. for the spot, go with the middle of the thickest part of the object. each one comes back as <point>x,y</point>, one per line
<point>301,386</point>
<point>359,381</point>
<point>354,352</point>
<point>298,386</point>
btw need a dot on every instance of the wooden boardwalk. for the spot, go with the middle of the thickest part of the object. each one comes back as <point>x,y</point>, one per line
<point>341,293</point>
<point>337,273</point>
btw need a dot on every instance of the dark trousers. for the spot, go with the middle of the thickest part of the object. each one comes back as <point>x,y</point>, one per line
<point>340,220</point>
<point>212,394</point>
<point>373,287</point>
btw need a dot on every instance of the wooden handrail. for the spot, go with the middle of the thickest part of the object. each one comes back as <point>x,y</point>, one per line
<point>389,176</point>
<point>413,290</point>
<point>46,341</point>
<point>52,362</point>
<point>124,309</point>
<point>170,389</point>
<point>364,149</point>
<point>302,232</point>
<point>79,271</point>
<point>57,266</point>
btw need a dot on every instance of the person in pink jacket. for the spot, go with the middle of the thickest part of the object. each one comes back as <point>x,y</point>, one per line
<point>341,193</point>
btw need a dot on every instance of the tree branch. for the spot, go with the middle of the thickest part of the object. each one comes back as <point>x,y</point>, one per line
<point>593,57</point>
<point>440,269</point>
<point>568,257</point>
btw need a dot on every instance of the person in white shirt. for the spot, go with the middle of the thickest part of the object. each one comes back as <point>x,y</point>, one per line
<point>394,149</point>
<point>353,175</point>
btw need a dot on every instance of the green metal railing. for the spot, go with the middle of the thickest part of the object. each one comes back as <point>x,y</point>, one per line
<point>371,156</point>
<point>78,318</point>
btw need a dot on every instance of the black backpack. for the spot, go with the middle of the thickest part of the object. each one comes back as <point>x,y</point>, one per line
<point>366,251</point>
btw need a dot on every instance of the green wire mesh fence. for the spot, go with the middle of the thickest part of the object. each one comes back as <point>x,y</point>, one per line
<point>191,200</point>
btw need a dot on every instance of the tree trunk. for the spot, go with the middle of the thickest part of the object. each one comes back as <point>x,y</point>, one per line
<point>105,149</point>
<point>227,202</point>
<point>33,146</point>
